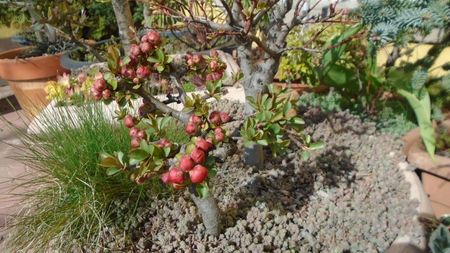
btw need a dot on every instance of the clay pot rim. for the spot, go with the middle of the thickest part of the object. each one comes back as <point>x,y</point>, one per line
<point>418,156</point>
<point>16,51</point>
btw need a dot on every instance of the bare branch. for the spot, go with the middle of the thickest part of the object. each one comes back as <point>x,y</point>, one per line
<point>261,44</point>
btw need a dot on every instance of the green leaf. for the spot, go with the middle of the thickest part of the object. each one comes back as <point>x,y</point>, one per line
<point>317,145</point>
<point>160,55</point>
<point>113,56</point>
<point>422,110</point>
<point>202,189</point>
<point>152,60</point>
<point>304,155</point>
<point>440,240</point>
<point>109,161</point>
<point>263,142</point>
<point>137,155</point>
<point>112,171</point>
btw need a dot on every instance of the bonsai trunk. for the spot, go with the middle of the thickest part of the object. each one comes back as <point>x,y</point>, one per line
<point>124,23</point>
<point>209,211</point>
<point>258,74</point>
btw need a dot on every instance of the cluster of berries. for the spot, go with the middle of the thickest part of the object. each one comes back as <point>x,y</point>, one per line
<point>138,68</point>
<point>214,67</point>
<point>100,88</point>
<point>137,135</point>
<point>193,164</point>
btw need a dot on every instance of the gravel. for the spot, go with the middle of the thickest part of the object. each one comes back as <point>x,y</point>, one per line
<point>348,197</point>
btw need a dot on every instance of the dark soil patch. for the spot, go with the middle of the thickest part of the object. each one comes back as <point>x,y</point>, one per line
<point>348,197</point>
<point>9,104</point>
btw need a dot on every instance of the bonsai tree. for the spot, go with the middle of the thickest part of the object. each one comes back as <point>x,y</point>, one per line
<point>192,164</point>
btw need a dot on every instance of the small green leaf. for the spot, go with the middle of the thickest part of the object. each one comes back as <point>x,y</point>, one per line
<point>317,145</point>
<point>138,155</point>
<point>112,171</point>
<point>202,189</point>
<point>109,161</point>
<point>304,155</point>
<point>263,142</point>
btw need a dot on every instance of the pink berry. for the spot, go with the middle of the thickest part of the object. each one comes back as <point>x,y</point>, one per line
<point>176,175</point>
<point>133,132</point>
<point>145,47</point>
<point>154,37</point>
<point>144,38</point>
<point>165,177</point>
<point>203,144</point>
<point>135,143</point>
<point>142,72</point>
<point>198,156</point>
<point>225,117</point>
<point>141,134</point>
<point>98,75</point>
<point>214,65</point>
<point>128,120</point>
<point>191,128</point>
<point>81,78</point>
<point>186,163</point>
<point>198,174</point>
<point>197,58</point>
<point>214,118</point>
<point>100,85</point>
<point>195,119</point>
<point>135,51</point>
<point>106,94</point>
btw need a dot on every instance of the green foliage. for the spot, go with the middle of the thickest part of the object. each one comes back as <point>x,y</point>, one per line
<point>330,102</point>
<point>440,240</point>
<point>419,99</point>
<point>393,20</point>
<point>276,122</point>
<point>71,198</point>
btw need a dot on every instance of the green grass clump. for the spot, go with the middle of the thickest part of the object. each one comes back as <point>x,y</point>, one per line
<point>70,199</point>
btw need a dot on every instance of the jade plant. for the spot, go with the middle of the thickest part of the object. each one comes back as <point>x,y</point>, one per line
<point>188,165</point>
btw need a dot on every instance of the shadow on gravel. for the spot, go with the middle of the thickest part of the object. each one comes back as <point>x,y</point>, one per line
<point>287,186</point>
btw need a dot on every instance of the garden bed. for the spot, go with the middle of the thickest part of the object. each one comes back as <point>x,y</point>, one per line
<point>350,196</point>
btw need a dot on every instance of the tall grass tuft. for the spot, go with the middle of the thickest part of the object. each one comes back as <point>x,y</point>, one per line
<point>70,200</point>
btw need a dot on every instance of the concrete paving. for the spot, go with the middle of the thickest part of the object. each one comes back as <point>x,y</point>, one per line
<point>10,170</point>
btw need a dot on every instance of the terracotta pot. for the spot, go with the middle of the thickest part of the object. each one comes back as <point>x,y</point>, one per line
<point>301,88</point>
<point>435,174</point>
<point>27,77</point>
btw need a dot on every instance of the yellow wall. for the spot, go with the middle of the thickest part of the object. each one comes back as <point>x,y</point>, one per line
<point>418,51</point>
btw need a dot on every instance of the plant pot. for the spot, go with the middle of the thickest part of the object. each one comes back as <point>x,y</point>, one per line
<point>68,63</point>
<point>435,174</point>
<point>28,77</point>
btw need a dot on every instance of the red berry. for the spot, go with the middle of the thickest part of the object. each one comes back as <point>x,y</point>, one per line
<point>135,51</point>
<point>141,134</point>
<point>130,73</point>
<point>135,143</point>
<point>133,132</point>
<point>106,94</point>
<point>176,175</point>
<point>203,144</point>
<point>209,77</point>
<point>198,156</point>
<point>100,85</point>
<point>144,38</point>
<point>128,120</point>
<point>142,72</point>
<point>214,65</point>
<point>165,177</point>
<point>214,118</point>
<point>186,163</point>
<point>124,71</point>
<point>195,119</point>
<point>164,143</point>
<point>198,174</point>
<point>197,58</point>
<point>191,128</point>
<point>224,117</point>
<point>190,62</point>
<point>154,37</point>
<point>145,47</point>
<point>217,76</point>
<point>219,137</point>
<point>136,80</point>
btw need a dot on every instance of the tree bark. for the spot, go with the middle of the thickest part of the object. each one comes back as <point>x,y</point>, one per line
<point>147,15</point>
<point>124,20</point>
<point>209,211</point>
<point>257,76</point>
